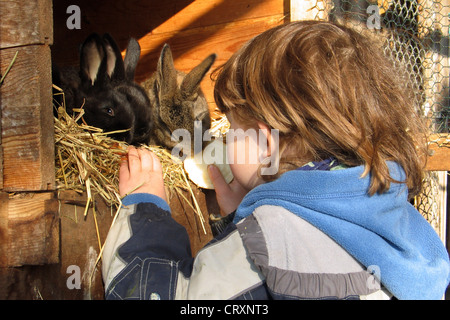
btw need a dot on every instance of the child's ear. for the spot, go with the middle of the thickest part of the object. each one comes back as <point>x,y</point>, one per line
<point>266,133</point>
<point>268,140</point>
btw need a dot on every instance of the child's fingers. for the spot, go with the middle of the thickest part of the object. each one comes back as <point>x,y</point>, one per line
<point>146,159</point>
<point>149,161</point>
<point>156,163</point>
<point>220,184</point>
<point>124,177</point>
<point>124,171</point>
<point>134,160</point>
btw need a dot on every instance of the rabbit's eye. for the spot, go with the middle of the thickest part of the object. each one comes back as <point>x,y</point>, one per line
<point>109,111</point>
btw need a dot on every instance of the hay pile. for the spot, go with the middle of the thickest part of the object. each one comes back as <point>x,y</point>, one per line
<point>86,159</point>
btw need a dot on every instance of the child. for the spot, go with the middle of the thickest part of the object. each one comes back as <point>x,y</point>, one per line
<point>333,222</point>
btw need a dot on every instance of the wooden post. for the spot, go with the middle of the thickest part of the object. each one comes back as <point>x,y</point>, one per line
<point>27,139</point>
<point>29,229</point>
<point>29,221</point>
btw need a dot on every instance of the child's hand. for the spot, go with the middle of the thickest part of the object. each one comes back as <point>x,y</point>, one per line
<point>141,172</point>
<point>229,196</point>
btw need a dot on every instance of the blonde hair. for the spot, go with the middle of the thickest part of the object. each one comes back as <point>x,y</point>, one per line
<point>330,93</point>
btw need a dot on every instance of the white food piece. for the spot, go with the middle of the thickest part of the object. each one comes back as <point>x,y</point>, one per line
<point>197,166</point>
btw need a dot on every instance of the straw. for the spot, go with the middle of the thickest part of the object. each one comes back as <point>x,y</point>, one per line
<point>9,67</point>
<point>87,160</point>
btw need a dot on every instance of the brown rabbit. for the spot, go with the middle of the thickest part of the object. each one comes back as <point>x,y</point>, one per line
<point>177,101</point>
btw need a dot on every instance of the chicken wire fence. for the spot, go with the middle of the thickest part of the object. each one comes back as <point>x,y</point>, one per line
<point>415,34</point>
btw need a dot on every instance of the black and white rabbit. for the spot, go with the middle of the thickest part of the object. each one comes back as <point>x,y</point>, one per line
<point>104,87</point>
<point>177,100</point>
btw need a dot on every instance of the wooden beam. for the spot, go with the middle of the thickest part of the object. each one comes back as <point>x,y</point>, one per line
<point>190,47</point>
<point>138,19</point>
<point>25,22</point>
<point>439,153</point>
<point>29,229</point>
<point>27,119</point>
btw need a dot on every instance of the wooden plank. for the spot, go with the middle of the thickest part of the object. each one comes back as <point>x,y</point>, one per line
<point>307,9</point>
<point>1,151</point>
<point>29,229</point>
<point>25,22</point>
<point>27,120</point>
<point>137,18</point>
<point>439,160</point>
<point>439,153</point>
<point>190,47</point>
<point>80,244</point>
<point>206,13</point>
<point>31,283</point>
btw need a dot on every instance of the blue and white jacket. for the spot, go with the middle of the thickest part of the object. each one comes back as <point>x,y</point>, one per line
<point>311,234</point>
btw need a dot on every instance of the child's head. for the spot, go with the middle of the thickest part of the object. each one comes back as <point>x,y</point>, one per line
<point>331,93</point>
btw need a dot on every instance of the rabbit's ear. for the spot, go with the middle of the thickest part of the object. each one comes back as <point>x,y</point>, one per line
<point>167,73</point>
<point>114,63</point>
<point>192,80</point>
<point>131,58</point>
<point>92,66</point>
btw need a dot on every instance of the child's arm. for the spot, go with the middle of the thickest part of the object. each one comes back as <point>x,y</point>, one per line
<point>145,251</point>
<point>145,248</point>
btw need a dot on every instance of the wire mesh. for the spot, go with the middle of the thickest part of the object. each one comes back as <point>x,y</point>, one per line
<point>416,37</point>
<point>428,204</point>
